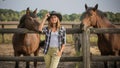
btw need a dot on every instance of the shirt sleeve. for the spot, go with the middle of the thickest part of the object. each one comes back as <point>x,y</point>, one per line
<point>64,36</point>
<point>44,30</point>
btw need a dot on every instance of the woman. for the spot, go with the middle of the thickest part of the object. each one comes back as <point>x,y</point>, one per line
<point>55,39</point>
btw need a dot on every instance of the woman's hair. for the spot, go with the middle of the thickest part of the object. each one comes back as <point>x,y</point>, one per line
<point>50,25</point>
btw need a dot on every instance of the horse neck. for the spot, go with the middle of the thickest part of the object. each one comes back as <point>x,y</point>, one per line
<point>104,23</point>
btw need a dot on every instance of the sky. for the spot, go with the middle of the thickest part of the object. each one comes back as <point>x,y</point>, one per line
<point>62,6</point>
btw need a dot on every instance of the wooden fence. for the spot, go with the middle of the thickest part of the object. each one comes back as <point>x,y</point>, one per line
<point>86,45</point>
<point>86,58</point>
<point>15,23</point>
<point>67,25</point>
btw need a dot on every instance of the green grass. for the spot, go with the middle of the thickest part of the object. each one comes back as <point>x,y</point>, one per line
<point>8,38</point>
<point>69,38</point>
<point>93,39</point>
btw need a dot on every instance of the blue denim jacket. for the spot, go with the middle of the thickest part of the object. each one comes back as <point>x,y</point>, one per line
<point>61,38</point>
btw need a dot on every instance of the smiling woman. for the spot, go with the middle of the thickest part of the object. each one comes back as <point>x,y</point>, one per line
<point>55,38</point>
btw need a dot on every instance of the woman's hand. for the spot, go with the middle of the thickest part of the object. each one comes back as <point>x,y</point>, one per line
<point>47,15</point>
<point>43,21</point>
<point>60,52</point>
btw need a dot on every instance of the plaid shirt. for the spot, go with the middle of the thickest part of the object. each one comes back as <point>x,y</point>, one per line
<point>61,38</point>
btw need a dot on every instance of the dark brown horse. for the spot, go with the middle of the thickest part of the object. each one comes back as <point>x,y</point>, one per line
<point>108,44</point>
<point>26,44</point>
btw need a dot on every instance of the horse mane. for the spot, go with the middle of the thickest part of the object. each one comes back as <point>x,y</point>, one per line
<point>101,14</point>
<point>21,22</point>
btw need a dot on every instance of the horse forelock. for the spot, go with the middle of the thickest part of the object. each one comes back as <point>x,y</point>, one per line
<point>86,13</point>
<point>98,12</point>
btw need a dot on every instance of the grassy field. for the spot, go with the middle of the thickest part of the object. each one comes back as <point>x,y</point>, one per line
<point>8,38</point>
<point>69,38</point>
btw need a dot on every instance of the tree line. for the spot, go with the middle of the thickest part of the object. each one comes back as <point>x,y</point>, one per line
<point>11,15</point>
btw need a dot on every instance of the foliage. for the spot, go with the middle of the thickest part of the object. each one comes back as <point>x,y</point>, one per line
<point>42,13</point>
<point>11,15</point>
<point>114,17</point>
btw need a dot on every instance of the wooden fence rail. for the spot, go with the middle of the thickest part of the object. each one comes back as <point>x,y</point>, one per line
<point>39,58</point>
<point>105,58</point>
<point>3,24</point>
<point>23,30</point>
<point>105,30</point>
<point>63,59</point>
<point>16,23</point>
<point>63,23</point>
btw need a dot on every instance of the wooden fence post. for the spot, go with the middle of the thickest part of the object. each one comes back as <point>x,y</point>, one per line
<point>86,49</point>
<point>3,35</point>
<point>77,40</point>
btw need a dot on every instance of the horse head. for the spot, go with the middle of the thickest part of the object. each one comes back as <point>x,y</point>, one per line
<point>89,17</point>
<point>29,20</point>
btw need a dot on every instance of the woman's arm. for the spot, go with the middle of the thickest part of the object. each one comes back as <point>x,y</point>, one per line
<point>64,43</point>
<point>62,49</point>
<point>43,21</point>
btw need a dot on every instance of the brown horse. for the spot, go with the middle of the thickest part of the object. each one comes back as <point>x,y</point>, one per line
<point>26,44</point>
<point>108,44</point>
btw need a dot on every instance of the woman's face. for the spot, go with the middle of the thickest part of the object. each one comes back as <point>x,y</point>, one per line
<point>54,19</point>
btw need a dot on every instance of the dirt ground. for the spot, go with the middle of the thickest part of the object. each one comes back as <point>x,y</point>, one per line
<point>7,50</point>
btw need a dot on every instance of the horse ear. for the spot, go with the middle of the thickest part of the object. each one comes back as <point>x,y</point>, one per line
<point>96,7</point>
<point>35,11</point>
<point>86,7</point>
<point>28,11</point>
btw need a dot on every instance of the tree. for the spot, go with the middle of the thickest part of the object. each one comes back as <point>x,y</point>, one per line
<point>22,13</point>
<point>42,13</point>
<point>117,17</point>
<point>74,17</point>
<point>2,17</point>
<point>15,17</point>
<point>66,17</point>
